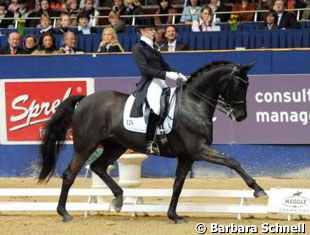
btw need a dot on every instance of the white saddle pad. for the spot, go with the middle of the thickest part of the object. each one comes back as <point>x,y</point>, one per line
<point>138,124</point>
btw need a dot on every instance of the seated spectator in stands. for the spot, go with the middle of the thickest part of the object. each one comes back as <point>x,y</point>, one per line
<point>306,14</point>
<point>263,5</point>
<point>217,6</point>
<point>116,22</point>
<point>65,24</point>
<point>43,8</point>
<point>244,5</point>
<point>270,21</point>
<point>164,7</point>
<point>45,24</point>
<point>190,12</point>
<point>47,45</point>
<point>4,13</point>
<point>205,22</point>
<point>72,9</point>
<point>160,39</point>
<point>286,20</point>
<point>172,43</point>
<point>83,24</point>
<point>118,7</point>
<point>133,7</point>
<point>23,10</point>
<point>13,46</point>
<point>69,46</point>
<point>90,10</point>
<point>57,5</point>
<point>96,3</point>
<point>30,44</point>
<point>109,41</point>
<point>13,5</point>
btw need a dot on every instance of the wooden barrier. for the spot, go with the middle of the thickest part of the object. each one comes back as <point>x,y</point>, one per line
<point>243,207</point>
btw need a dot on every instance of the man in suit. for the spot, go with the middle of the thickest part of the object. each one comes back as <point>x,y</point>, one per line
<point>172,43</point>
<point>13,46</point>
<point>285,20</point>
<point>154,70</point>
<point>70,44</point>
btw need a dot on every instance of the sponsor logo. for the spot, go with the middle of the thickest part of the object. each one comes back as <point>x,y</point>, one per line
<point>296,200</point>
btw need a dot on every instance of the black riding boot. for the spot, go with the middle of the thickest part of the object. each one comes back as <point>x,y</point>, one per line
<point>151,146</point>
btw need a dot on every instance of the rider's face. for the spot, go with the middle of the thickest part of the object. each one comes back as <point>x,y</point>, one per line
<point>148,32</point>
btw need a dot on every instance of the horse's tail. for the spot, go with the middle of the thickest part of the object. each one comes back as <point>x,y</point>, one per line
<point>54,136</point>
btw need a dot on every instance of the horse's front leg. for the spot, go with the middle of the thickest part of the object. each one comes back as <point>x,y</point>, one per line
<point>182,170</point>
<point>211,155</point>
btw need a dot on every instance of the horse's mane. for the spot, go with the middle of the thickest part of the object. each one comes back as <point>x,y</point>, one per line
<point>208,67</point>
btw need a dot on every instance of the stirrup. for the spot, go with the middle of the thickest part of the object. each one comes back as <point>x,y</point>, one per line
<point>152,148</point>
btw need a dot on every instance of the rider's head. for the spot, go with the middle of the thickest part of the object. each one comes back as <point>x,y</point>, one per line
<point>147,27</point>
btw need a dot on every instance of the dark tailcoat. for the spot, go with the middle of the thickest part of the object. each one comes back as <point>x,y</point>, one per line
<point>151,65</point>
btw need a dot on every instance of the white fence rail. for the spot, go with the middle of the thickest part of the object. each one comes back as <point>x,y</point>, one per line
<point>241,207</point>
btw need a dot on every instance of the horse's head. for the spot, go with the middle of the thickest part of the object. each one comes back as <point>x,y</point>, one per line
<point>233,89</point>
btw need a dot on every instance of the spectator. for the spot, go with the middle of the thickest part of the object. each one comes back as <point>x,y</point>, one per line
<point>160,39</point>
<point>244,5</point>
<point>116,22</point>
<point>30,44</point>
<point>13,5</point>
<point>13,46</point>
<point>164,7</point>
<point>4,13</point>
<point>263,5</point>
<point>45,24</point>
<point>190,12</point>
<point>56,5</point>
<point>70,44</point>
<point>96,3</point>
<point>270,20</point>
<point>91,12</point>
<point>133,8</point>
<point>118,7</point>
<point>65,24</point>
<point>72,9</point>
<point>83,24</point>
<point>22,11</point>
<point>109,41</point>
<point>172,43</point>
<point>286,20</point>
<point>205,22</point>
<point>306,14</point>
<point>217,6</point>
<point>47,44</point>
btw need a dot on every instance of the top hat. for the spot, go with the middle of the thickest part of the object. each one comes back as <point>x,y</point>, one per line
<point>145,22</point>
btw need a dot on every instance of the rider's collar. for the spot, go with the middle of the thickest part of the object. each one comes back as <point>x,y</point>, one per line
<point>147,41</point>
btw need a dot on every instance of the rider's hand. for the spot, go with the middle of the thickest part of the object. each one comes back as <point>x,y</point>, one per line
<point>182,77</point>
<point>172,75</point>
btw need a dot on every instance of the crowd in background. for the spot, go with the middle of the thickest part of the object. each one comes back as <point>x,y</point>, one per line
<point>82,17</point>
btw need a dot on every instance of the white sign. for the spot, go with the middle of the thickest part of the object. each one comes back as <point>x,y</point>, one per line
<point>289,201</point>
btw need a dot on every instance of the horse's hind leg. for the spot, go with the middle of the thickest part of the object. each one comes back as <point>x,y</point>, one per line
<point>211,155</point>
<point>69,176</point>
<point>111,152</point>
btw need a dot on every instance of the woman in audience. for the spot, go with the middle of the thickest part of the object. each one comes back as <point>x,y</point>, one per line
<point>164,7</point>
<point>83,24</point>
<point>244,5</point>
<point>47,45</point>
<point>205,22</point>
<point>133,7</point>
<point>118,7</point>
<point>30,44</point>
<point>109,41</point>
<point>116,22</point>
<point>90,10</point>
<point>73,10</point>
<point>270,20</point>
<point>190,12</point>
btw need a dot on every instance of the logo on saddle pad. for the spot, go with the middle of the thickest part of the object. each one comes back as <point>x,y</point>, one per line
<point>138,124</point>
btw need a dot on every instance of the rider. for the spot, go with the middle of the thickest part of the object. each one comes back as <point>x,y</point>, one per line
<point>154,70</point>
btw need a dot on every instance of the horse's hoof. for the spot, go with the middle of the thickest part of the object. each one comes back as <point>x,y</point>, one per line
<point>178,220</point>
<point>260,193</point>
<point>67,218</point>
<point>117,205</point>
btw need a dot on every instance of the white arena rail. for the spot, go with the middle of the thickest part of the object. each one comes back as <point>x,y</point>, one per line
<point>243,206</point>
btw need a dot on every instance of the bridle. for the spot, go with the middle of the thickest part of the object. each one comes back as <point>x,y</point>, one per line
<point>222,105</point>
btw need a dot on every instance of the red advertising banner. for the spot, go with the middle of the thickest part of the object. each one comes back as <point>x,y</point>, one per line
<point>30,103</point>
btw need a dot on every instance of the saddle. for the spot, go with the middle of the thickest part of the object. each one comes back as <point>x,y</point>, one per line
<point>139,124</point>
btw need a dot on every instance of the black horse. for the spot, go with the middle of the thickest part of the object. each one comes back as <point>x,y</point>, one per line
<point>98,120</point>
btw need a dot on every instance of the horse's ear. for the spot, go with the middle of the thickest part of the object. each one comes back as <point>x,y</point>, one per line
<point>246,68</point>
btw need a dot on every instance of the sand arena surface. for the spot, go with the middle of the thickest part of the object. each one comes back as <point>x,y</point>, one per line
<point>34,223</point>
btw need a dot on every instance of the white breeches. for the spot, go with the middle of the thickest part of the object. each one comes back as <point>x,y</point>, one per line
<point>154,93</point>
